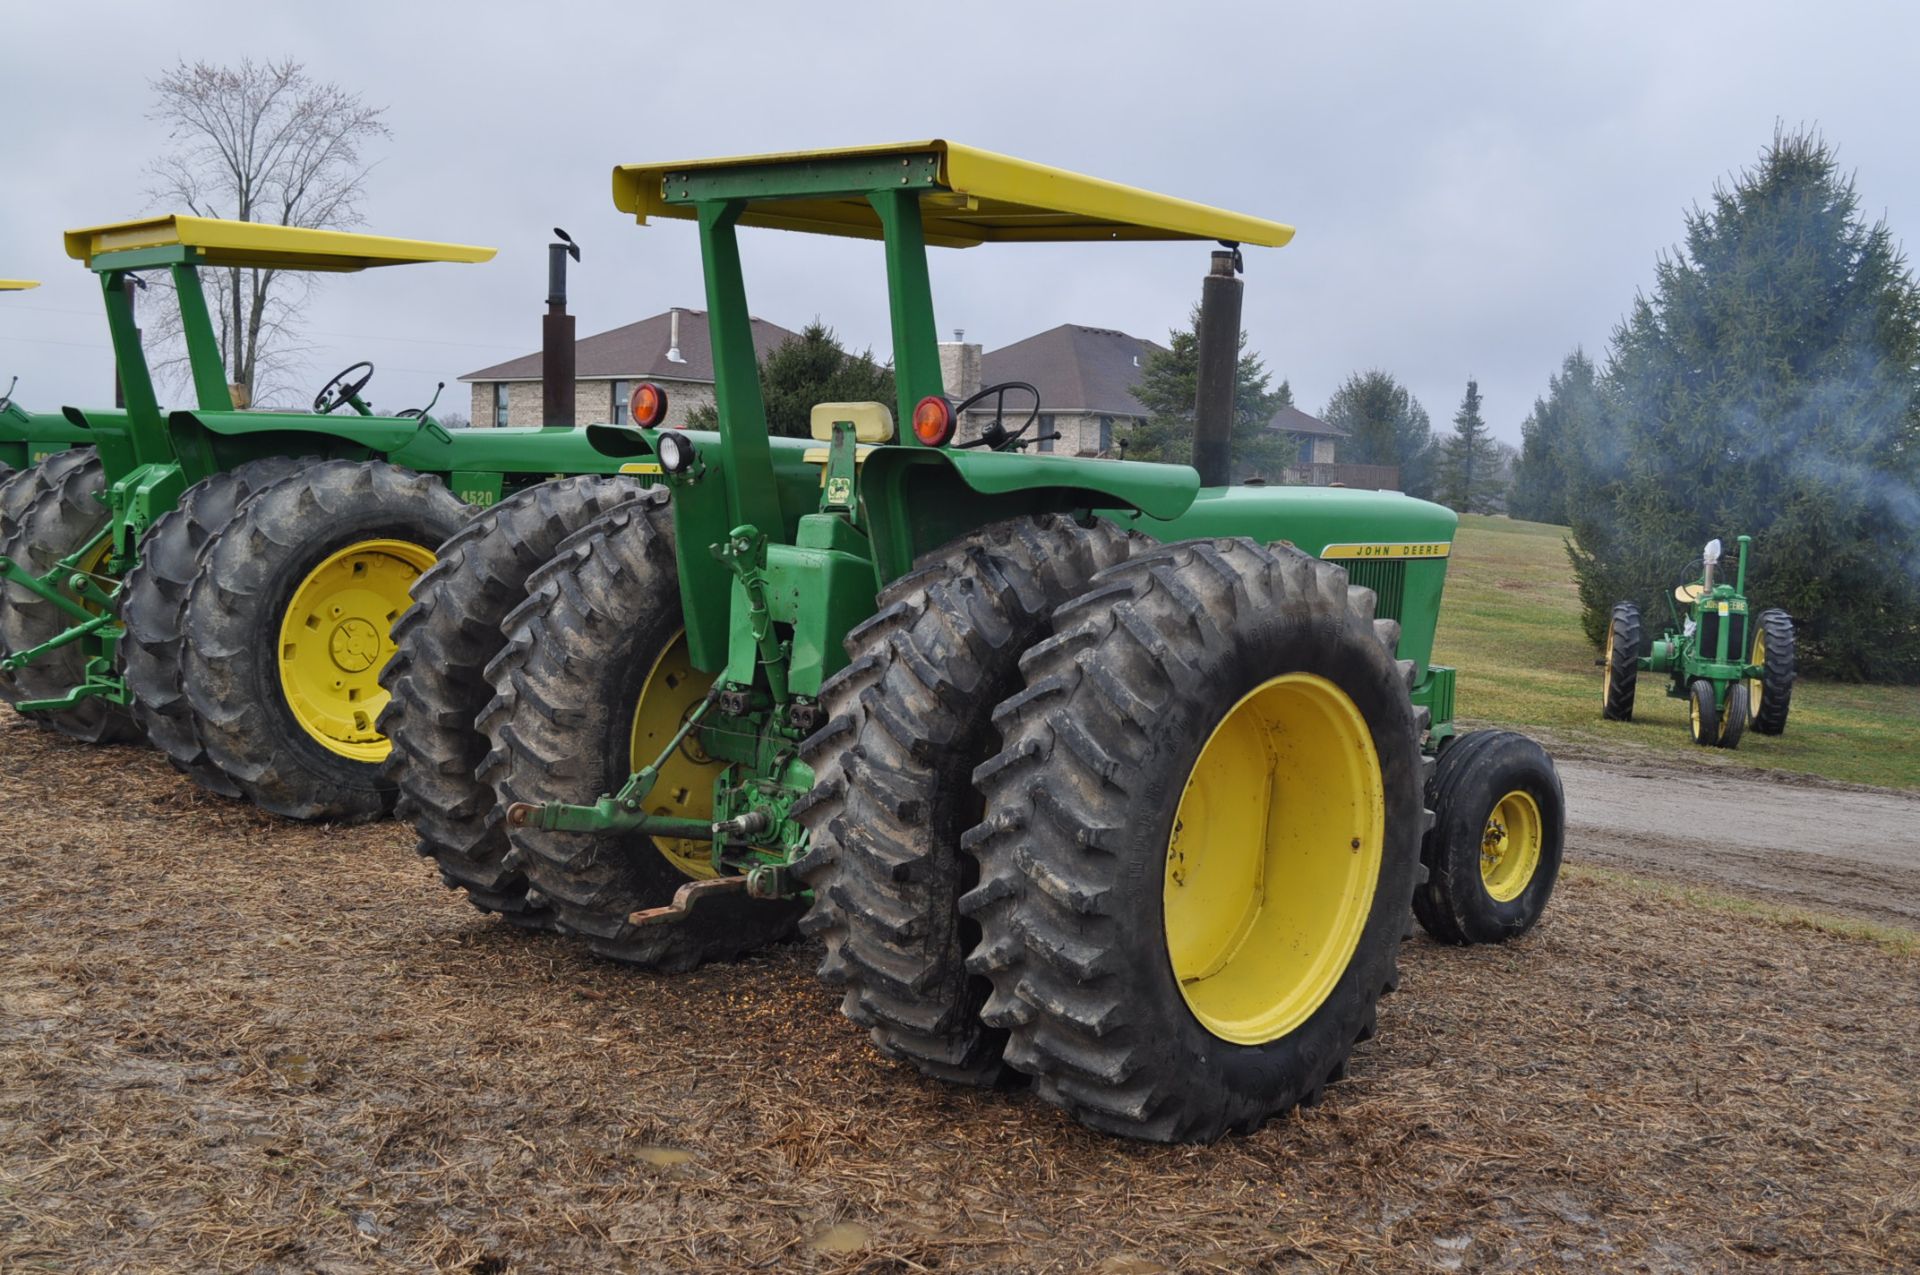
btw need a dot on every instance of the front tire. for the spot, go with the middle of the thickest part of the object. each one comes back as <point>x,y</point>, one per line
<point>1771,694</point>
<point>1493,853</point>
<point>1733,717</point>
<point>908,721</point>
<point>288,623</point>
<point>1150,982</point>
<point>1703,715</point>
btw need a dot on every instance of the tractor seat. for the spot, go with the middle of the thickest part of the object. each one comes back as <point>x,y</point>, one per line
<point>872,423</point>
<point>1688,594</point>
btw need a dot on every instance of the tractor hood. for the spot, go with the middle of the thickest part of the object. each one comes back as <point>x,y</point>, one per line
<point>1158,491</point>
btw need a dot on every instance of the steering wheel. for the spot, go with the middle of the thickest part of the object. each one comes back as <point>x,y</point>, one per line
<point>337,391</point>
<point>997,435</point>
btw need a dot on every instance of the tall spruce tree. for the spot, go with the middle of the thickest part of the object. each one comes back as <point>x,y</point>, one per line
<point>1469,477</point>
<point>1549,437</point>
<point>1769,385</point>
<point>1384,425</point>
<point>803,370</point>
<point>1168,384</point>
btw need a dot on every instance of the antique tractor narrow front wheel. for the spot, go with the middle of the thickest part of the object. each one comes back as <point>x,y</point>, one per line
<point>1493,853</point>
<point>437,686</point>
<point>1703,714</point>
<point>288,624</point>
<point>908,721</point>
<point>1201,842</point>
<point>594,682</point>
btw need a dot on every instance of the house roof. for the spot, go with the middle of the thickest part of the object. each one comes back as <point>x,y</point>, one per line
<point>1075,368</point>
<point>1291,420</point>
<point>640,350</point>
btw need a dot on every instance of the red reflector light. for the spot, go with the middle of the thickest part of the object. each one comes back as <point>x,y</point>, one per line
<point>933,420</point>
<point>648,405</point>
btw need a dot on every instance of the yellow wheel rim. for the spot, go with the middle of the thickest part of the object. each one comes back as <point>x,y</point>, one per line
<point>1693,714</point>
<point>684,789</point>
<point>336,636</point>
<point>94,567</point>
<point>1755,684</point>
<point>1274,856</point>
<point>1510,846</point>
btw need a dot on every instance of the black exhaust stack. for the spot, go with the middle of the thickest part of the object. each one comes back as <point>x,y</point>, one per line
<point>556,336</point>
<point>1218,334</point>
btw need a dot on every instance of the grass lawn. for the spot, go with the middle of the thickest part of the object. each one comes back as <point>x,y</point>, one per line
<point>1511,625</point>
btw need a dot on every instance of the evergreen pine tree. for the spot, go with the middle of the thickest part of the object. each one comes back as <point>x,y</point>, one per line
<point>1384,425</point>
<point>1549,437</point>
<point>804,370</point>
<point>1168,384</point>
<point>1469,459</point>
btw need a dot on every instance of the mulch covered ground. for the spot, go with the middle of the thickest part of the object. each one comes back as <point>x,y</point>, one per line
<point>232,1043</point>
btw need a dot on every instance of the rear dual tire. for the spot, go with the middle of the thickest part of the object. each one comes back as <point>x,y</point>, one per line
<point>1127,1005</point>
<point>288,622</point>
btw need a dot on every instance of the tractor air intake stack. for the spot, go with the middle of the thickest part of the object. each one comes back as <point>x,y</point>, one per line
<point>556,336</point>
<point>1219,357</point>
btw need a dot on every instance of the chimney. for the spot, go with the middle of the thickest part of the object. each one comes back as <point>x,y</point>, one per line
<point>959,367</point>
<point>673,337</point>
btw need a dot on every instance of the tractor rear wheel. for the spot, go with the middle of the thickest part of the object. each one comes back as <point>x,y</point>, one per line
<point>1622,663</point>
<point>1703,715</point>
<point>1771,694</point>
<point>908,721</point>
<point>592,685</point>
<point>437,686</point>
<point>154,604</point>
<point>288,624</point>
<point>1201,843</point>
<point>60,513</point>
<point>1733,717</point>
<point>1493,853</point>
<point>17,491</point>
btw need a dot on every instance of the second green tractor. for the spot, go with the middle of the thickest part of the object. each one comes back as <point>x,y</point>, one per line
<point>1088,774</point>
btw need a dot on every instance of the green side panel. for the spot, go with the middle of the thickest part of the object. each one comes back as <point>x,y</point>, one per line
<point>917,498</point>
<point>1316,519</point>
<point>821,594</point>
<point>844,175</point>
<point>1435,693</point>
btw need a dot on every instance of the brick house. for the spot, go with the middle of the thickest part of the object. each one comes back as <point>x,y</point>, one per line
<point>671,349</point>
<point>1086,377</point>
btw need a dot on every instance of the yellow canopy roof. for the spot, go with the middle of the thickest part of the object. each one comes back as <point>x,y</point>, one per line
<point>18,285</point>
<point>250,243</point>
<point>987,198</point>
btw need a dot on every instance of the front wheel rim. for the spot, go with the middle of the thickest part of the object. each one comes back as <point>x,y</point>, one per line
<point>337,634</point>
<point>1510,845</point>
<point>1274,855</point>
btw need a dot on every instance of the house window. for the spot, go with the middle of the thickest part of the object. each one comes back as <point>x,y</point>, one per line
<point>622,391</point>
<point>1046,432</point>
<point>1106,434</point>
<point>499,403</point>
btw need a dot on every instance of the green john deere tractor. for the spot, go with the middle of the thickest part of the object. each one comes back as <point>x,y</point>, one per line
<point>1729,674</point>
<point>225,582</point>
<point>1103,773</point>
<point>27,438</point>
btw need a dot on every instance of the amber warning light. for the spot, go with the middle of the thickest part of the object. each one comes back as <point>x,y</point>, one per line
<point>648,405</point>
<point>933,420</point>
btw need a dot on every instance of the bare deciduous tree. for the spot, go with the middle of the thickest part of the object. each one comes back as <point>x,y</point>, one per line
<point>259,142</point>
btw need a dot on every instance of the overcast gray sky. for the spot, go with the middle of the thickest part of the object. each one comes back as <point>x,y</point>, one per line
<point>1477,188</point>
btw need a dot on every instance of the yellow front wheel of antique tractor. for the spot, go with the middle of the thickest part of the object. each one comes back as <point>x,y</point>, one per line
<point>1493,853</point>
<point>289,622</point>
<point>1178,960</point>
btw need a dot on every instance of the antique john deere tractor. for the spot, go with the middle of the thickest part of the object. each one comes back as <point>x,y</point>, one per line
<point>1103,772</point>
<point>1728,675</point>
<point>226,581</point>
